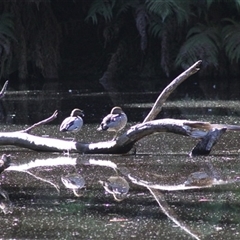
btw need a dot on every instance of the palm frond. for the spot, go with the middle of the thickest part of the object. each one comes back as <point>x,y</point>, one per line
<point>101,8</point>
<point>124,6</point>
<point>209,3</point>
<point>155,29</point>
<point>7,33</point>
<point>203,42</point>
<point>7,26</point>
<point>231,40</point>
<point>237,3</point>
<point>5,52</point>
<point>167,8</point>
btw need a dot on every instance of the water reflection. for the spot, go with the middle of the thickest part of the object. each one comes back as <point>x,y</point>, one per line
<point>5,203</point>
<point>74,182</point>
<point>41,206</point>
<point>138,178</point>
<point>117,186</point>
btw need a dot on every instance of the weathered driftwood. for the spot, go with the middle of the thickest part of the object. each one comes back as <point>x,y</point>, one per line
<point>208,133</point>
<point>157,107</point>
<point>122,145</point>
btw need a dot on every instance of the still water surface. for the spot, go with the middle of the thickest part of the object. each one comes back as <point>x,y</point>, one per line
<point>41,207</point>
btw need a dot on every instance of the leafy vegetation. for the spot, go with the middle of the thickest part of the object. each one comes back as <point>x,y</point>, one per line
<point>7,35</point>
<point>203,42</point>
<point>147,38</point>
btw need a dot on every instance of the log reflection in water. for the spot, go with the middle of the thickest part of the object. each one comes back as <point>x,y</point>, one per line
<point>130,173</point>
<point>166,209</point>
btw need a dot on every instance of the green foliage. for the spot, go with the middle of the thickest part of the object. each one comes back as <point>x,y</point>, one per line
<point>168,8</point>
<point>231,40</point>
<point>7,26</point>
<point>125,5</point>
<point>163,18</point>
<point>6,35</point>
<point>237,2</point>
<point>102,8</point>
<point>155,28</point>
<point>203,42</point>
<point>209,3</point>
<point>234,3</point>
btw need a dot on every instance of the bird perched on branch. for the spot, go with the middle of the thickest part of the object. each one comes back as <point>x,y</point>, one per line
<point>74,122</point>
<point>115,121</point>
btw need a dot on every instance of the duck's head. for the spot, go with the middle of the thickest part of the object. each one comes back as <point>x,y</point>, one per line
<point>77,112</point>
<point>116,110</point>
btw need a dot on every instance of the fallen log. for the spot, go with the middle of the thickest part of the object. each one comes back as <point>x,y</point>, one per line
<point>207,132</point>
<point>122,144</point>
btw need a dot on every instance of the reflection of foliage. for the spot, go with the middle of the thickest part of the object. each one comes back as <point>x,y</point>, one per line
<point>74,207</point>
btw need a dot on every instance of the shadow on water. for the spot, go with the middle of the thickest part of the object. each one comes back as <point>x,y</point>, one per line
<point>159,193</point>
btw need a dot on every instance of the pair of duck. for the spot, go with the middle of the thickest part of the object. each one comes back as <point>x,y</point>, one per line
<point>115,121</point>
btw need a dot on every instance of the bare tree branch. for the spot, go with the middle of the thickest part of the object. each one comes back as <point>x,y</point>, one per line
<point>45,121</point>
<point>3,91</point>
<point>157,107</point>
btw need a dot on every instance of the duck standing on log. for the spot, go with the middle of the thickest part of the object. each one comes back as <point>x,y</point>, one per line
<point>115,121</point>
<point>73,123</point>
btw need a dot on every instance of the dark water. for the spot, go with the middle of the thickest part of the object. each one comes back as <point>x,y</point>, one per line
<point>41,207</point>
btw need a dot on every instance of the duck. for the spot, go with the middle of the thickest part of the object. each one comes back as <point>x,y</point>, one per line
<point>74,122</point>
<point>115,121</point>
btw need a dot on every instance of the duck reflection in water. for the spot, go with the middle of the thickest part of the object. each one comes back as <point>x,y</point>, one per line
<point>73,123</point>
<point>74,182</point>
<point>5,162</point>
<point>117,186</point>
<point>5,203</point>
<point>115,121</point>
